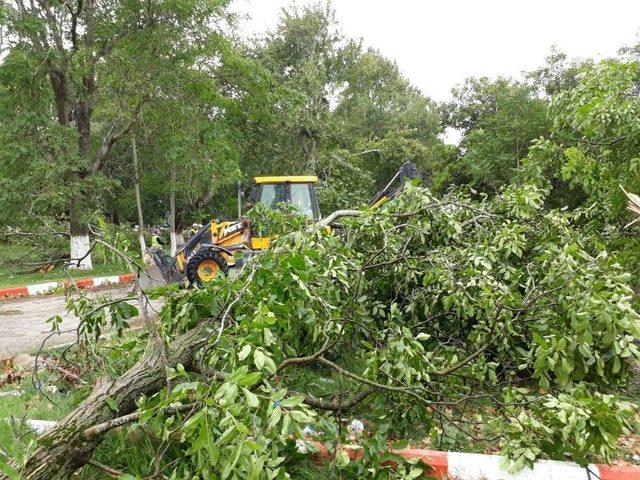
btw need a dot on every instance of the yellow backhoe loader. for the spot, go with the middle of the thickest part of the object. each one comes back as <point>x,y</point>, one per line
<point>213,249</point>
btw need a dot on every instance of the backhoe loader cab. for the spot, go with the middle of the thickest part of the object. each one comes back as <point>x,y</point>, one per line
<point>298,191</point>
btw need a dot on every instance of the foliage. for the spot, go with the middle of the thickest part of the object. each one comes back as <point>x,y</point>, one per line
<point>499,120</point>
<point>267,221</point>
<point>594,141</point>
<point>437,303</point>
<point>119,237</point>
<point>343,184</point>
<point>430,311</point>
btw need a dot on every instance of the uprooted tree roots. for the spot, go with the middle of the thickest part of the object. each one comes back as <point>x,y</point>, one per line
<point>424,310</point>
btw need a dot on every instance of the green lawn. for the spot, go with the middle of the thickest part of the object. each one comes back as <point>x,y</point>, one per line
<point>11,268</point>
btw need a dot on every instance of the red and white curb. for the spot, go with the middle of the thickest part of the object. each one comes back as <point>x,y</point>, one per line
<point>475,466</point>
<point>41,288</point>
<point>465,466</point>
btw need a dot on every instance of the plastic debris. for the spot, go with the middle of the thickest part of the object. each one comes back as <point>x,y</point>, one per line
<point>40,426</point>
<point>356,427</point>
<point>308,430</point>
<point>302,446</point>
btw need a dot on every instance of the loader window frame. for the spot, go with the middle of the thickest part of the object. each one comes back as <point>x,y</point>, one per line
<point>311,210</point>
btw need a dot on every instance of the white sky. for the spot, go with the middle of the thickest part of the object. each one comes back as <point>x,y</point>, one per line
<point>437,44</point>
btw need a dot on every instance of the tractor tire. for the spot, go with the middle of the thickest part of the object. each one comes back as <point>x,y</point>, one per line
<point>204,267</point>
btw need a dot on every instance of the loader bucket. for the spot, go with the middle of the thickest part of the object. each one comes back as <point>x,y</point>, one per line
<point>161,272</point>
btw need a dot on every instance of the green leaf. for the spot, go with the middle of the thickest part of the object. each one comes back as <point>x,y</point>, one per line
<point>259,359</point>
<point>300,417</point>
<point>244,353</point>
<point>342,458</point>
<point>292,401</point>
<point>252,399</point>
<point>415,472</point>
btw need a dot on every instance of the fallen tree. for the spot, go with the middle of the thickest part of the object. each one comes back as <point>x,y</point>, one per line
<point>417,314</point>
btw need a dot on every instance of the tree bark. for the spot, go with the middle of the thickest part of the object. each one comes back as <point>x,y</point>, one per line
<point>172,213</point>
<point>136,182</point>
<point>67,447</point>
<point>179,227</point>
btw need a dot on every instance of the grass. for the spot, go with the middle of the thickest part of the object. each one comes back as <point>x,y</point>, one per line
<point>10,269</point>
<point>15,438</point>
<point>120,450</point>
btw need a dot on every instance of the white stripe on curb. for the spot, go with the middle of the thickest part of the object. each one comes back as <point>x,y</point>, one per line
<point>42,287</point>
<point>475,466</point>
<point>471,466</point>
<point>106,280</point>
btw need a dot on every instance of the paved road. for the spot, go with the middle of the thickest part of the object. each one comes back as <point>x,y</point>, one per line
<point>23,324</point>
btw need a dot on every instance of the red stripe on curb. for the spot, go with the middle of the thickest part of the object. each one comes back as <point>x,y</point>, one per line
<point>84,282</point>
<point>14,291</point>
<point>127,277</point>
<point>80,283</point>
<point>613,472</point>
<point>436,460</point>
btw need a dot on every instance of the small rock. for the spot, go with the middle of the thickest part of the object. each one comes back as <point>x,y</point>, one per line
<point>51,389</point>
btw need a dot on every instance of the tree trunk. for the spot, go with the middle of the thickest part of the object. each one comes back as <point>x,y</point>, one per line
<point>179,226</point>
<point>80,244</point>
<point>180,238</point>
<point>66,448</point>
<point>172,213</point>
<point>308,142</point>
<point>136,179</point>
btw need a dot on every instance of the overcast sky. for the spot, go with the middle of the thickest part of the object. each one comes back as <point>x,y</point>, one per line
<point>439,43</point>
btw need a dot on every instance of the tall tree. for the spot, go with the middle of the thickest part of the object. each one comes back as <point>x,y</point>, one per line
<point>385,119</point>
<point>85,49</point>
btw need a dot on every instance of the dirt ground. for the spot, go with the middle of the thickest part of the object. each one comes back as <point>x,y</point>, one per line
<point>23,325</point>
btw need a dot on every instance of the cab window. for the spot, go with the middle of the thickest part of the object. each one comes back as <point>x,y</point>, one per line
<point>272,194</point>
<point>301,198</point>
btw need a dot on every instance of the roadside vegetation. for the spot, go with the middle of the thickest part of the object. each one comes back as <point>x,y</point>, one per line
<point>492,306</point>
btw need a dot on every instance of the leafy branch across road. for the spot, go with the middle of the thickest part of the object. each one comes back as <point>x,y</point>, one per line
<point>498,307</point>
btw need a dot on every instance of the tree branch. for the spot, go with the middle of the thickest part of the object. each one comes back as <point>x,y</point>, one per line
<point>328,220</point>
<point>113,136</point>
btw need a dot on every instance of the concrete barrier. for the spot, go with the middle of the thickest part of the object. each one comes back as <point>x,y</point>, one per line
<point>474,466</point>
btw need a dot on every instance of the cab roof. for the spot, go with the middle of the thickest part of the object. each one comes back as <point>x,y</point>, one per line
<point>286,179</point>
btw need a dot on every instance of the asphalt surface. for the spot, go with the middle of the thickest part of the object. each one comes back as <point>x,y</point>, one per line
<point>23,325</point>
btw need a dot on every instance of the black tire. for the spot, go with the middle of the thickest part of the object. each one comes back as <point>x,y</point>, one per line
<point>199,258</point>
